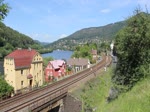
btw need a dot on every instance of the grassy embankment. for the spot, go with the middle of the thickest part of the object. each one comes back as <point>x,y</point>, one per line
<point>93,96</point>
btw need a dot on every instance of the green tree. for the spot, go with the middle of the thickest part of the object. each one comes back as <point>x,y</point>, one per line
<point>46,60</point>
<point>104,46</point>
<point>4,9</point>
<point>133,50</point>
<point>3,52</point>
<point>1,42</point>
<point>84,51</point>
<point>5,88</point>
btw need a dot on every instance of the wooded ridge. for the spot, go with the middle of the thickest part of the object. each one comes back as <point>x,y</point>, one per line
<point>11,39</point>
<point>92,34</point>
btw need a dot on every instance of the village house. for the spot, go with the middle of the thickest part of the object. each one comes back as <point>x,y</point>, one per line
<point>23,68</point>
<point>94,54</point>
<point>78,64</point>
<point>55,70</point>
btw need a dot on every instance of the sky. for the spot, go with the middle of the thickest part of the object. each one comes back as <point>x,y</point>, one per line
<point>50,20</point>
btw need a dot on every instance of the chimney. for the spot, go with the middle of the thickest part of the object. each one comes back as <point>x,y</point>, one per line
<point>29,49</point>
<point>19,48</point>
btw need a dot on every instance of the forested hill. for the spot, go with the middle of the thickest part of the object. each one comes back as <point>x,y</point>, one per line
<point>11,39</point>
<point>106,32</point>
<point>92,34</point>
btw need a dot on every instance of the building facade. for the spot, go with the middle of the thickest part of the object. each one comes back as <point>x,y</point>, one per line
<point>55,70</point>
<point>23,68</point>
<point>94,54</point>
<point>78,64</point>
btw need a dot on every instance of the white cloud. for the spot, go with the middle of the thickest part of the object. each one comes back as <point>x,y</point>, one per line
<point>41,37</point>
<point>63,35</point>
<point>105,10</point>
<point>46,37</point>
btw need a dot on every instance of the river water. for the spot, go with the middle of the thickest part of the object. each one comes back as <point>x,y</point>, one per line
<point>58,54</point>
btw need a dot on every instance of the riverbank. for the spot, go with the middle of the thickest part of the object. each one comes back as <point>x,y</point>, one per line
<point>43,51</point>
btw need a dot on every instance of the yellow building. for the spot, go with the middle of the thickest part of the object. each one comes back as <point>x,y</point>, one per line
<point>23,68</point>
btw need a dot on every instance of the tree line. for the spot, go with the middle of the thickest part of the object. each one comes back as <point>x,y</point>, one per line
<point>84,50</point>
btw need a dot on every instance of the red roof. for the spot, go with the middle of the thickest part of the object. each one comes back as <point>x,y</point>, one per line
<point>94,52</point>
<point>22,57</point>
<point>57,63</point>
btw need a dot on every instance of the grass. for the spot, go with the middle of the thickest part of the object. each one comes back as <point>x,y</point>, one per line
<point>94,93</point>
<point>136,100</point>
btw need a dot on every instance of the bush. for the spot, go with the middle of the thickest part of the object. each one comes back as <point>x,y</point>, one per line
<point>5,88</point>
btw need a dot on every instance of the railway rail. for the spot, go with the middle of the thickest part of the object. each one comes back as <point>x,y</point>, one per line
<point>36,98</point>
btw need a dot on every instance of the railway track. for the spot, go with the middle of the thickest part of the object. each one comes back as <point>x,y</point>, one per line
<point>35,98</point>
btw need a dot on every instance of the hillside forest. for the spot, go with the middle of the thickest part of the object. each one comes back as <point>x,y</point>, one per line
<point>11,39</point>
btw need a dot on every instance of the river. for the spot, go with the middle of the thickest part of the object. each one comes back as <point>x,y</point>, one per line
<point>59,54</point>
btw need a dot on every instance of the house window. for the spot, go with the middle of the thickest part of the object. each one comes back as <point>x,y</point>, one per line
<point>21,83</point>
<point>21,71</point>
